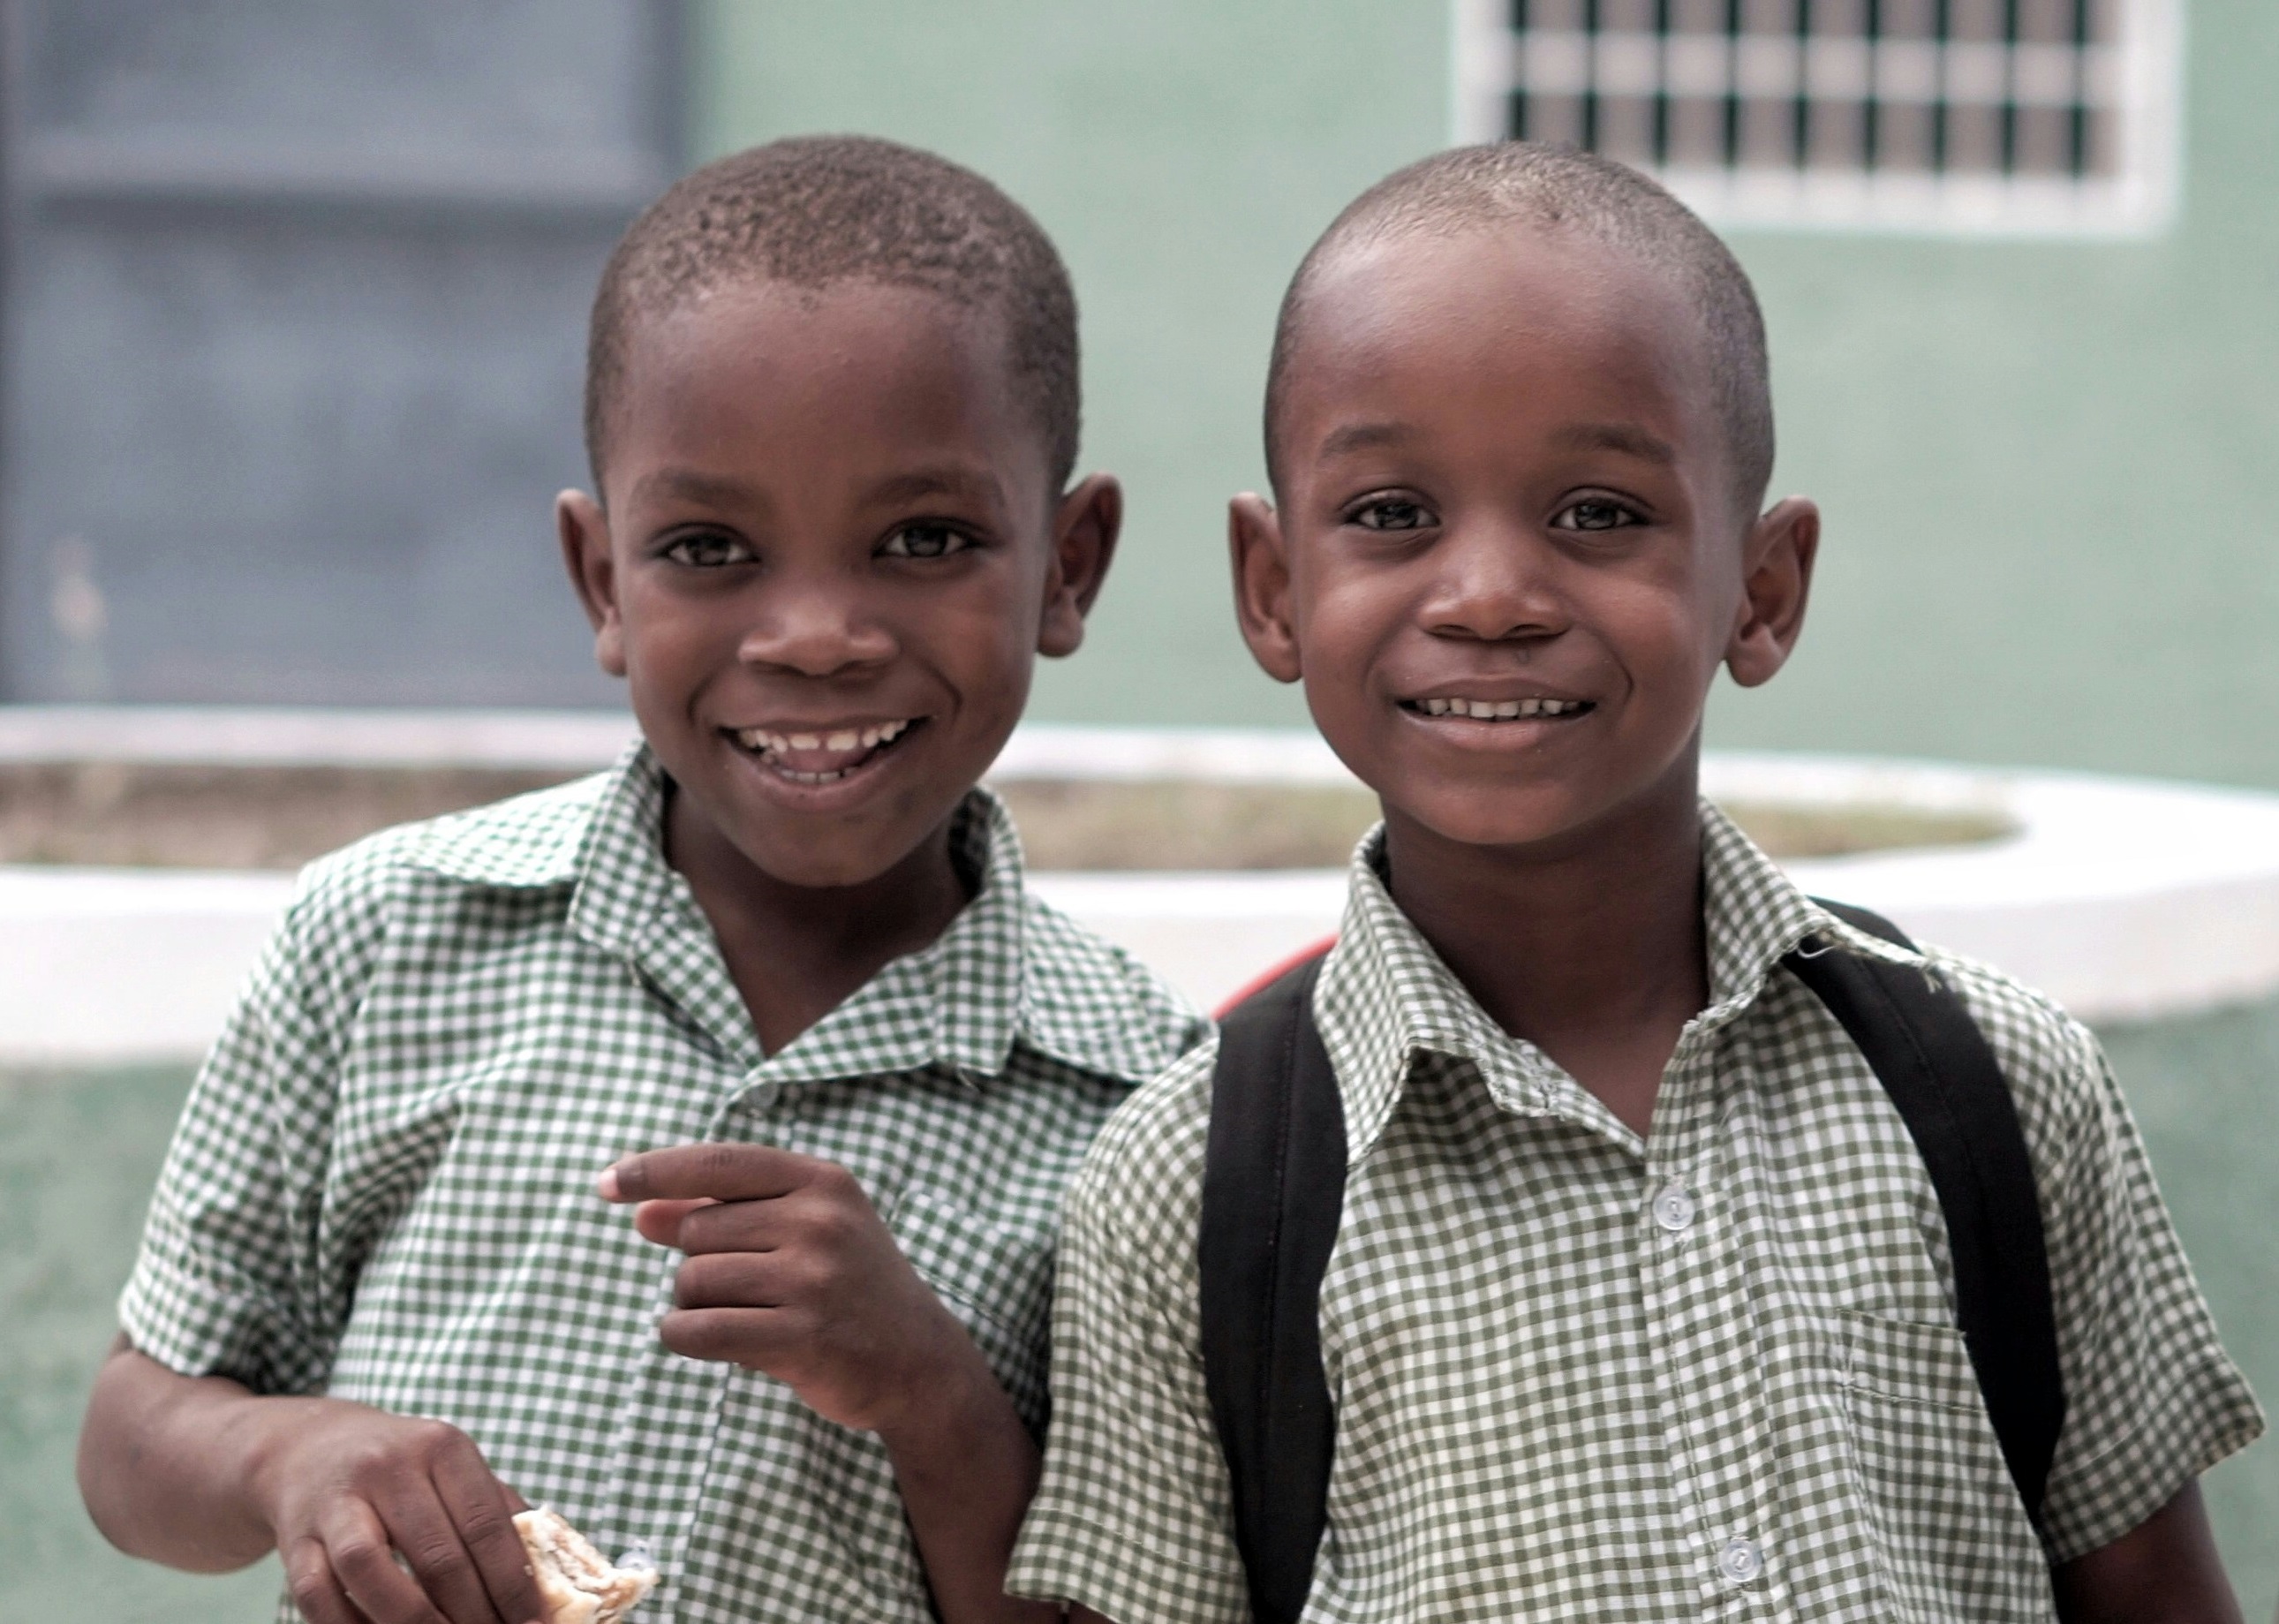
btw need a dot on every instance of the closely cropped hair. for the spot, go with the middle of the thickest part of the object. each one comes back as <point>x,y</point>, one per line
<point>1555,188</point>
<point>819,210</point>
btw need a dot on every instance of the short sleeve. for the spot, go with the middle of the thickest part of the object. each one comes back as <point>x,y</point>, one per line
<point>2151,1399</point>
<point>1131,1519</point>
<point>229,1280</point>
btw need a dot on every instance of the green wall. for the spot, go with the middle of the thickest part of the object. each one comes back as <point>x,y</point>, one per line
<point>2046,468</point>
<point>2045,541</point>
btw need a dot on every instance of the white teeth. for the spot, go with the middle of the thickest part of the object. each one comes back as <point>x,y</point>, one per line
<point>1499,709</point>
<point>760,742</point>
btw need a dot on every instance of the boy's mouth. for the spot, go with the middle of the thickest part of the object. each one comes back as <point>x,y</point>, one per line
<point>822,755</point>
<point>1499,709</point>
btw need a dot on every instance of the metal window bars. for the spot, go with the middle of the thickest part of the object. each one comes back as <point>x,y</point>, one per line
<point>2025,115</point>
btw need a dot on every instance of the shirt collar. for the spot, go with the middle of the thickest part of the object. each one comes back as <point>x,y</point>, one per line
<point>958,1004</point>
<point>1385,997</point>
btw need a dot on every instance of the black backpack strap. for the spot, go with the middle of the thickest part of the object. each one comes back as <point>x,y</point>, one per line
<point>1273,1193</point>
<point>1935,1065</point>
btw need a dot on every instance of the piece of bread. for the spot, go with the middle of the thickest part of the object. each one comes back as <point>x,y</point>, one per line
<point>579,1585</point>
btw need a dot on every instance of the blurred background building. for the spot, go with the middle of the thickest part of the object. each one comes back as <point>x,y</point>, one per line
<point>294,302</point>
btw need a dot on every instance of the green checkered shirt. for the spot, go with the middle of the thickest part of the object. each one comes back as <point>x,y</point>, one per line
<point>382,1186</point>
<point>1712,1374</point>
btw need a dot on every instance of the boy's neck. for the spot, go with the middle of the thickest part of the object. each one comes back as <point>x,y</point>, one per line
<point>1591,948</point>
<point>796,952</point>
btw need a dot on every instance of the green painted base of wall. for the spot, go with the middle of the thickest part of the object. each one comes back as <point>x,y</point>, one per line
<point>78,1153</point>
<point>2049,541</point>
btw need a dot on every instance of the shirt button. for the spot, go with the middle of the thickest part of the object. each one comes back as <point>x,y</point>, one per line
<point>1674,1208</point>
<point>1740,1560</point>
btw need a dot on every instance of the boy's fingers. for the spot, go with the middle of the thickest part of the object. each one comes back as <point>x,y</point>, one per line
<point>362,1560</point>
<point>316,1593</point>
<point>661,1221</point>
<point>422,1530</point>
<point>740,1280</point>
<point>753,1336</point>
<point>723,1172</point>
<point>756,1226</point>
<point>482,1510</point>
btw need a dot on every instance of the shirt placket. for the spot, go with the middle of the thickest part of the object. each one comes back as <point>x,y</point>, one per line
<point>670,1441</point>
<point>1702,1327</point>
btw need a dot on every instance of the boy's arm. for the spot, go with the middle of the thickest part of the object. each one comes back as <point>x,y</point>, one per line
<point>210,1470</point>
<point>966,1469</point>
<point>2151,1399</point>
<point>790,1271</point>
<point>2166,1571</point>
<point>199,1473</point>
<point>1132,1517</point>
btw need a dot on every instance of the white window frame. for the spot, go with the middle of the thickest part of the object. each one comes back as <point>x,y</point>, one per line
<point>2140,77</point>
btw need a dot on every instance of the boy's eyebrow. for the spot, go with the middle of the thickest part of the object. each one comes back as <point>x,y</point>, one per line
<point>1362,437</point>
<point>725,490</point>
<point>946,480</point>
<point>1626,438</point>
<point>690,485</point>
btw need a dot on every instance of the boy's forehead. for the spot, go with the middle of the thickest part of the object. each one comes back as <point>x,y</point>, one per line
<point>743,354</point>
<point>771,395</point>
<point>844,329</point>
<point>1583,325</point>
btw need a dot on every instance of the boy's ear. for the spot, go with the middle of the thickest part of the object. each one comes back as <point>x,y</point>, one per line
<point>1086,524</point>
<point>1262,585</point>
<point>583,531</point>
<point>1777,561</point>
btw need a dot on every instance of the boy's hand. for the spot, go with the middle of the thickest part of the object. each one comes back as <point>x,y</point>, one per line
<point>348,1488</point>
<point>198,1473</point>
<point>790,1271</point>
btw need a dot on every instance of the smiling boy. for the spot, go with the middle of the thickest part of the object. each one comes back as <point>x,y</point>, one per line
<point>774,979</point>
<point>1639,1304</point>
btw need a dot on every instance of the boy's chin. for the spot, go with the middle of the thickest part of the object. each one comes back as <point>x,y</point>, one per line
<point>837,859</point>
<point>1495,820</point>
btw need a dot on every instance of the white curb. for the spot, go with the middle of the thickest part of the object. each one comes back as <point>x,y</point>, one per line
<point>2124,899</point>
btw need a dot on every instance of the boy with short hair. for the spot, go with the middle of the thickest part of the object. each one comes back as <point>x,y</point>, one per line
<point>774,979</point>
<point>1641,1303</point>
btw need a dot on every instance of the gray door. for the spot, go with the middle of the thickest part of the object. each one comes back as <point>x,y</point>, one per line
<point>295,309</point>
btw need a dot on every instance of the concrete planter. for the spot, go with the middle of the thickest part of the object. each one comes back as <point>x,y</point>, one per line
<point>2124,899</point>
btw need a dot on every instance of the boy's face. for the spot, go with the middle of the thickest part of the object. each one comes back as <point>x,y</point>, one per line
<point>1508,560</point>
<point>829,556</point>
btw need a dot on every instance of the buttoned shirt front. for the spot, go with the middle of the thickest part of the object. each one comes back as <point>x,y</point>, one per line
<point>1711,1372</point>
<point>382,1186</point>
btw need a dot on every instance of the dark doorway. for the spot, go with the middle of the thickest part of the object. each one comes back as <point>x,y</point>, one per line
<point>295,318</point>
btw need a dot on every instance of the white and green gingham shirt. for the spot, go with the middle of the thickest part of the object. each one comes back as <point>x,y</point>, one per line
<point>1710,1374</point>
<point>382,1187</point>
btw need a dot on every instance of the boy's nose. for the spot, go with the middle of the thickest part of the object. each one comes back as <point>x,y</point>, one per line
<point>1494,583</point>
<point>817,631</point>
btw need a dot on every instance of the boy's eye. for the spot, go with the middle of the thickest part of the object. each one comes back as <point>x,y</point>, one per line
<point>1592,514</point>
<point>925,541</point>
<point>707,550</point>
<point>1392,513</point>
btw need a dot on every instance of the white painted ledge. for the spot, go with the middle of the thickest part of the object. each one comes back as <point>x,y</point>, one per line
<point>125,964</point>
<point>2124,899</point>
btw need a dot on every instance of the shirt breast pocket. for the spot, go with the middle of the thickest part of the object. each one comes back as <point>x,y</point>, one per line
<point>1950,1535</point>
<point>997,1278</point>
